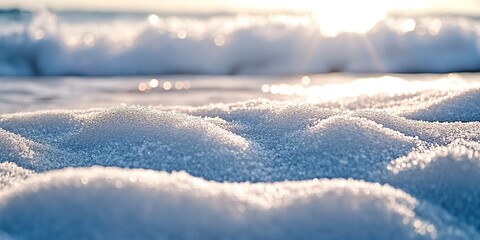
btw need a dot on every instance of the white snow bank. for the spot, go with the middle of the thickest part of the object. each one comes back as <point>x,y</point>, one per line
<point>42,126</point>
<point>446,175</point>
<point>136,137</point>
<point>257,141</point>
<point>430,132</point>
<point>111,203</point>
<point>15,148</point>
<point>464,107</point>
<point>32,155</point>
<point>10,174</point>
<point>140,137</point>
<point>284,132</point>
<point>343,146</point>
<point>250,141</point>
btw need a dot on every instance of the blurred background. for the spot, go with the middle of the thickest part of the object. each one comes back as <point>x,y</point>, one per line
<point>77,54</point>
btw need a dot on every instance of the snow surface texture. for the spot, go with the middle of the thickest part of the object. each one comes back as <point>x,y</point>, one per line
<point>132,172</point>
<point>48,44</point>
<point>92,203</point>
<point>453,109</point>
<point>447,176</point>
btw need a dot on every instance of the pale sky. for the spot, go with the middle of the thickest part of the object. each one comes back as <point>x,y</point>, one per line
<point>442,6</point>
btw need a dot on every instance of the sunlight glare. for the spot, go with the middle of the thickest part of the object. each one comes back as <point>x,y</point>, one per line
<point>306,80</point>
<point>153,19</point>
<point>179,85</point>
<point>89,39</point>
<point>182,34</point>
<point>408,25</point>
<point>219,40</point>
<point>167,85</point>
<point>339,16</point>
<point>142,87</point>
<point>153,83</point>
<point>386,85</point>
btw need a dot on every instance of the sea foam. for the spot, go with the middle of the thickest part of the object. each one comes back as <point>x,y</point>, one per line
<point>48,44</point>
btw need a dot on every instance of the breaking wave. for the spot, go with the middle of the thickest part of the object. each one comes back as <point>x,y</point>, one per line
<point>46,44</point>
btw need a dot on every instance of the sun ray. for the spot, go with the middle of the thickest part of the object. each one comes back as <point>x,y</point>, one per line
<point>339,16</point>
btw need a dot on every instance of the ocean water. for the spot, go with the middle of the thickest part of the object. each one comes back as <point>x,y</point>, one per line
<point>228,126</point>
<point>333,90</point>
<point>73,43</point>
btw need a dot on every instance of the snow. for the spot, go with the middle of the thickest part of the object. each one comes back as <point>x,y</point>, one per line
<point>10,174</point>
<point>248,170</point>
<point>452,110</point>
<point>113,203</point>
<point>446,175</point>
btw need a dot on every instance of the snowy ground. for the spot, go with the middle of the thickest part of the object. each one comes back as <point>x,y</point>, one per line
<point>402,162</point>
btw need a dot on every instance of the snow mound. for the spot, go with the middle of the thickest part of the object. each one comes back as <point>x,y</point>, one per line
<point>91,203</point>
<point>430,132</point>
<point>453,109</point>
<point>11,174</point>
<point>263,120</point>
<point>133,137</point>
<point>306,142</point>
<point>257,141</point>
<point>15,148</point>
<point>32,155</point>
<point>138,137</point>
<point>446,175</point>
<point>343,147</point>
<point>42,127</point>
